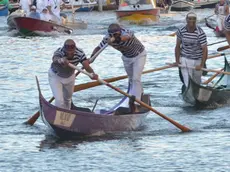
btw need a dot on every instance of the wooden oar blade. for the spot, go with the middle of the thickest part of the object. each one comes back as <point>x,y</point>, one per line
<point>223,48</point>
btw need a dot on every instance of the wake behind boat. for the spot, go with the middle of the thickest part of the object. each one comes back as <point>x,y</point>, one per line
<point>215,96</point>
<point>77,122</point>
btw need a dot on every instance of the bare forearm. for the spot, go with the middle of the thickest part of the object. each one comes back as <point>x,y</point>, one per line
<point>87,66</point>
<point>95,51</point>
<point>177,54</point>
<point>204,56</point>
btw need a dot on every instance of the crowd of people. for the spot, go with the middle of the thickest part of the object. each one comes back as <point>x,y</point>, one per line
<point>48,10</point>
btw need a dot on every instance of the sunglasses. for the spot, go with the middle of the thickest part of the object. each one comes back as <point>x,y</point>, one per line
<point>69,47</point>
<point>191,18</point>
<point>115,34</point>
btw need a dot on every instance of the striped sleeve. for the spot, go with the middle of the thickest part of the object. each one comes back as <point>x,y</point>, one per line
<point>127,32</point>
<point>178,34</point>
<point>104,41</point>
<point>80,55</point>
<point>202,37</point>
<point>58,54</point>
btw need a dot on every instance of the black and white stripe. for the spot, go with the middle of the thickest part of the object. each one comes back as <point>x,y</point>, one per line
<point>131,48</point>
<point>227,23</point>
<point>192,42</point>
<point>65,72</point>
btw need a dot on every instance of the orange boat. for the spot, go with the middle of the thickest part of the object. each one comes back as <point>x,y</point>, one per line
<point>138,11</point>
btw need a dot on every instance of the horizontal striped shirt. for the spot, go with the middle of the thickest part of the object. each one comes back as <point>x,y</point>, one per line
<point>192,42</point>
<point>227,23</point>
<point>130,48</point>
<point>65,72</point>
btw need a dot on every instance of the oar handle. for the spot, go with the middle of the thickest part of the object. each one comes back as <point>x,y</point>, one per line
<point>207,70</point>
<point>91,60</point>
<point>223,48</point>
<point>216,42</point>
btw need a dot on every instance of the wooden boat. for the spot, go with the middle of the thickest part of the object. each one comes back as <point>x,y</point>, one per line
<point>80,5</point>
<point>108,5</point>
<point>205,3</point>
<point>30,26</point>
<point>138,12</point>
<point>4,10</point>
<point>10,19</point>
<point>181,5</point>
<point>217,32</point>
<point>78,121</point>
<point>215,96</point>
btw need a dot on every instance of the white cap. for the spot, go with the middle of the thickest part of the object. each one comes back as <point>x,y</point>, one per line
<point>33,7</point>
<point>191,14</point>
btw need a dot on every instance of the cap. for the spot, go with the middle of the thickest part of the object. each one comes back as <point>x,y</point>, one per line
<point>45,8</point>
<point>191,14</point>
<point>33,7</point>
<point>114,28</point>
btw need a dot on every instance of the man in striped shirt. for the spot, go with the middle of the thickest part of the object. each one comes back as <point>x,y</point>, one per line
<point>227,28</point>
<point>133,54</point>
<point>191,49</point>
<point>62,77</point>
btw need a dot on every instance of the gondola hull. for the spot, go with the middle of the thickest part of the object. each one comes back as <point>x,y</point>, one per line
<point>206,96</point>
<point>77,122</point>
<point>30,26</point>
<point>203,97</point>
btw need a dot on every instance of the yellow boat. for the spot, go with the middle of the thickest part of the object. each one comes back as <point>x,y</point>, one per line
<point>138,11</point>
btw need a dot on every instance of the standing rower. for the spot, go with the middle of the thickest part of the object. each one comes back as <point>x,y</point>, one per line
<point>133,55</point>
<point>191,50</point>
<point>221,10</point>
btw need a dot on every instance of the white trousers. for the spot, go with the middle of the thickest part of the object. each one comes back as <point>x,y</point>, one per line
<point>62,89</point>
<point>186,72</point>
<point>134,67</point>
<point>220,21</point>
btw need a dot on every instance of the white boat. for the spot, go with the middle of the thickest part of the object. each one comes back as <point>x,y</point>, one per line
<point>80,5</point>
<point>138,12</point>
<point>181,5</point>
<point>205,3</point>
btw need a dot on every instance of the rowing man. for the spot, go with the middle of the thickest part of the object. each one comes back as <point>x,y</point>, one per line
<point>221,10</point>
<point>62,77</point>
<point>133,54</point>
<point>191,50</point>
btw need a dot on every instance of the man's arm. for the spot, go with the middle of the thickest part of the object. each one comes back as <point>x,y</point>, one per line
<point>177,51</point>
<point>204,56</point>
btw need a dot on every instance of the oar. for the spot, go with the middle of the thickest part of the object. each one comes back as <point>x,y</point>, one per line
<point>97,83</point>
<point>223,48</point>
<point>183,128</point>
<point>217,42</point>
<point>211,78</point>
<point>217,55</point>
<point>34,118</point>
<point>207,70</point>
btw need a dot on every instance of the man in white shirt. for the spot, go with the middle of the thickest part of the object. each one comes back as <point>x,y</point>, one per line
<point>25,5</point>
<point>54,7</point>
<point>45,15</point>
